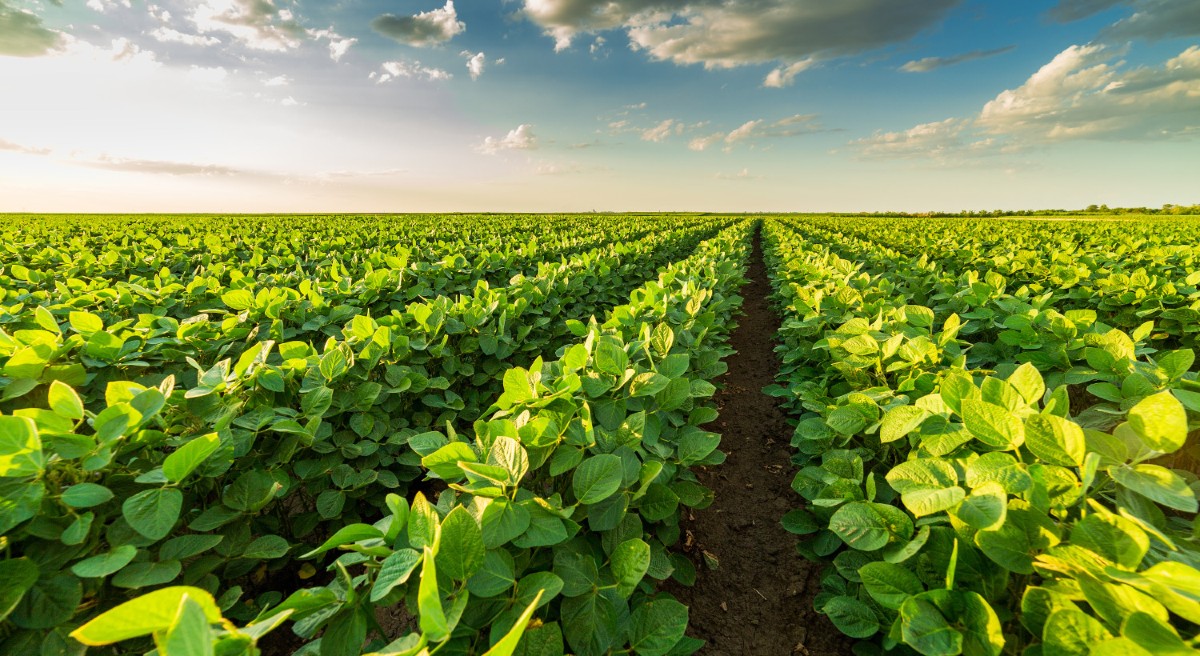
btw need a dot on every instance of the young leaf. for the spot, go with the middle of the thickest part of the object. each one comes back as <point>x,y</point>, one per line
<point>144,615</point>
<point>188,457</point>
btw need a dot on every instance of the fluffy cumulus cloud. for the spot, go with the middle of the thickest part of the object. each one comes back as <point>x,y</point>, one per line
<point>519,138</point>
<point>1084,93</point>
<point>257,24</point>
<point>661,131</point>
<point>338,44</point>
<point>164,34</point>
<point>414,70</point>
<point>103,6</point>
<point>428,28</point>
<point>933,63</point>
<point>727,33</point>
<point>22,33</point>
<point>477,63</point>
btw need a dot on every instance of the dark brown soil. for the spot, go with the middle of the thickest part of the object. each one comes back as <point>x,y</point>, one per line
<point>759,600</point>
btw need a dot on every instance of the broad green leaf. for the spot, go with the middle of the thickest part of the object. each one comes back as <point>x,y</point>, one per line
<point>50,602</point>
<point>1071,632</point>
<point>985,507</point>
<point>1112,536</point>
<point>502,522</point>
<point>105,564</point>
<point>189,634</point>
<point>497,575</point>
<point>345,634</point>
<point>20,447</point>
<point>1154,635</point>
<point>1028,381</point>
<point>266,547</point>
<point>443,463</point>
<point>17,576</point>
<point>144,615</point>
<point>993,425</point>
<point>188,457</point>
<point>64,401</point>
<point>597,478</point>
<point>1158,484</point>
<point>852,617</point>
<point>395,570</point>
<point>1055,440</point>
<point>461,553</point>
<point>86,495</point>
<point>85,323</point>
<point>657,626</point>
<point>1038,604</point>
<point>1160,421</point>
<point>859,525</point>
<point>900,421</point>
<point>889,584</point>
<point>630,562</point>
<point>153,513</point>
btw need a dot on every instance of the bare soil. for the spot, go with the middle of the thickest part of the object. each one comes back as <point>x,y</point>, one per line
<point>759,599</point>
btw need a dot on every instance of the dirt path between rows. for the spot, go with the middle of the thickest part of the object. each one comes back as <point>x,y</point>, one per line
<point>759,599</point>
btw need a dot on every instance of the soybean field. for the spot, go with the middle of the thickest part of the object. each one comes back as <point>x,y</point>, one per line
<point>601,434</point>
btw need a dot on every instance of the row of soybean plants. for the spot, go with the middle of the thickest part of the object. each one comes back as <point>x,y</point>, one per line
<point>140,452</point>
<point>947,474</point>
<point>552,523</point>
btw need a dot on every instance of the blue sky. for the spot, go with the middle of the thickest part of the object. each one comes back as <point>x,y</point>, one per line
<point>556,105</point>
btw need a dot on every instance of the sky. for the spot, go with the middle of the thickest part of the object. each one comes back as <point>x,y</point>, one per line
<point>606,105</point>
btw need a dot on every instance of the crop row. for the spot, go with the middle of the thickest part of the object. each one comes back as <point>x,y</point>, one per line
<point>966,500</point>
<point>143,452</point>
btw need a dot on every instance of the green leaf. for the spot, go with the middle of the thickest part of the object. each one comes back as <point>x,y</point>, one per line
<point>502,522</point>
<point>147,574</point>
<point>266,548</point>
<point>630,562</point>
<point>949,622</point>
<point>1055,440</point>
<point>497,575</point>
<point>346,535</point>
<point>153,513</point>
<point>443,463</point>
<point>1160,421</point>
<point>429,601</point>
<point>993,425</point>
<point>85,323</point>
<point>189,634</point>
<point>597,478</point>
<point>1001,468</point>
<point>657,626</point>
<point>986,507</point>
<point>345,634</point>
<point>1154,635</point>
<point>852,617</point>
<point>461,553</point>
<point>50,602</point>
<point>610,357</point>
<point>106,563</point>
<point>1071,632</point>
<point>508,644</point>
<point>1028,381</point>
<point>859,525</point>
<point>186,458</point>
<point>86,495</point>
<point>1038,604</point>
<point>900,421</point>
<point>64,401</point>
<point>144,615</point>
<point>20,448</point>
<point>889,584</point>
<point>395,570</point>
<point>517,385</point>
<point>1158,484</point>
<point>1112,536</point>
<point>17,576</point>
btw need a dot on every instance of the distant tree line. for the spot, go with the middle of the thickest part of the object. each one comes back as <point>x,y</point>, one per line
<point>1098,210</point>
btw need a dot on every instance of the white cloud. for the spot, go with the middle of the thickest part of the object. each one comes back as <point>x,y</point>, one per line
<point>170,35</point>
<point>338,44</point>
<point>744,174</point>
<point>428,28</point>
<point>477,63</point>
<point>278,81</point>
<point>519,138</point>
<point>12,147</point>
<point>289,102</point>
<point>257,24</point>
<point>393,70</point>
<point>206,75</point>
<point>103,6</point>
<point>1084,93</point>
<point>759,130</point>
<point>730,33</point>
<point>784,76</point>
<point>661,131</point>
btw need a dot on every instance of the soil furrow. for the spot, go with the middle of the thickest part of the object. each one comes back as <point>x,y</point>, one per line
<point>758,599</point>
